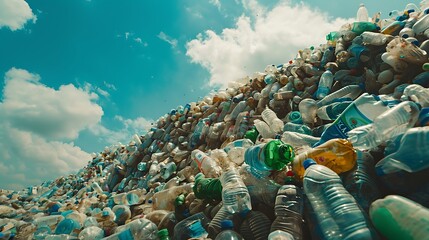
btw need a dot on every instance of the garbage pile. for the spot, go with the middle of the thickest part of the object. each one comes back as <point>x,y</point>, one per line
<point>331,145</point>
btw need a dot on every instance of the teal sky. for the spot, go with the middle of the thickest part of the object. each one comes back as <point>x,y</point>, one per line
<point>126,63</point>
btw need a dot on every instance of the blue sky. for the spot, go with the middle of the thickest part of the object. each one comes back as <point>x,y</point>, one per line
<point>83,74</point>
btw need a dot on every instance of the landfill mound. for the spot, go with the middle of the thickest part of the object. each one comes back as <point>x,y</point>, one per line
<point>331,145</point>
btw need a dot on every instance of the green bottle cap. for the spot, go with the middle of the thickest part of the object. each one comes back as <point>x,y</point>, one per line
<point>208,188</point>
<point>180,200</point>
<point>278,154</point>
<point>252,134</point>
<point>163,234</point>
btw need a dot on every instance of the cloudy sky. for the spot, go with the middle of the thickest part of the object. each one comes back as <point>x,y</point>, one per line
<point>78,75</point>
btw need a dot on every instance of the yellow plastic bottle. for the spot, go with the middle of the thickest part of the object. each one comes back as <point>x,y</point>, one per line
<point>337,154</point>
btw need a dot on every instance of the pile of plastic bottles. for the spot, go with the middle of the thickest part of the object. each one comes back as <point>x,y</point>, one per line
<point>331,145</point>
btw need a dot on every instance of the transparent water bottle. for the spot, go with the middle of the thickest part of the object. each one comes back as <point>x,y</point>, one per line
<point>360,112</point>
<point>325,84</point>
<point>388,125</point>
<point>416,93</point>
<point>270,117</point>
<point>263,129</point>
<point>227,231</point>
<point>280,235</point>
<point>337,212</point>
<point>263,158</point>
<point>207,165</point>
<point>352,92</point>
<point>308,109</point>
<point>360,181</point>
<point>235,196</point>
<point>289,210</point>
<point>388,216</point>
<point>332,111</point>
<point>411,156</point>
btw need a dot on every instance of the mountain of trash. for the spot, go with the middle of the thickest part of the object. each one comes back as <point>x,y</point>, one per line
<point>333,144</point>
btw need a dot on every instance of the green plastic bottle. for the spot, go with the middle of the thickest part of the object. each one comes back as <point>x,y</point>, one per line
<point>397,217</point>
<point>263,158</point>
<point>207,188</point>
<point>163,234</point>
<point>252,134</point>
<point>360,27</point>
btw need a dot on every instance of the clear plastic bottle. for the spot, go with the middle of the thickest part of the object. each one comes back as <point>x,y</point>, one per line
<point>308,109</point>
<point>421,25</point>
<point>280,235</point>
<point>237,148</point>
<point>333,110</point>
<point>235,196</point>
<point>299,128</point>
<point>140,228</point>
<point>352,92</point>
<point>362,14</point>
<point>325,84</point>
<point>164,200</point>
<point>91,233</point>
<point>360,182</point>
<point>289,210</point>
<point>338,214</point>
<point>263,158</point>
<point>270,117</point>
<point>263,129</point>
<point>256,225</point>
<point>375,39</point>
<point>411,155</point>
<point>416,93</point>
<point>361,112</point>
<point>227,231</point>
<point>191,227</point>
<point>397,218</point>
<point>388,125</point>
<point>133,197</point>
<point>207,165</point>
<point>296,139</point>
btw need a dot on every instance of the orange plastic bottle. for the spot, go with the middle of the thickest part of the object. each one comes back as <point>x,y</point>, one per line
<point>337,154</point>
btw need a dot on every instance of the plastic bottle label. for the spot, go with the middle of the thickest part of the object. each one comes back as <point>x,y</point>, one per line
<point>352,119</point>
<point>199,157</point>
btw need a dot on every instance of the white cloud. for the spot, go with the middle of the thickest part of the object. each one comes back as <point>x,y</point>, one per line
<point>270,37</point>
<point>138,40</point>
<point>14,14</point>
<point>110,86</point>
<point>36,121</point>
<point>137,126</point>
<point>193,12</point>
<point>215,3</point>
<point>173,42</point>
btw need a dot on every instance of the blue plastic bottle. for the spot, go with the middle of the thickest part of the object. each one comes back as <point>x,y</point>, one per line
<point>338,214</point>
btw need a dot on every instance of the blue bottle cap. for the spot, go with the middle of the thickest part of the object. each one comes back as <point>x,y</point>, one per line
<point>308,162</point>
<point>226,224</point>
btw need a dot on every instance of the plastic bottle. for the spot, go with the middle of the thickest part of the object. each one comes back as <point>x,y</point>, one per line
<point>140,228</point>
<point>280,235</point>
<point>421,25</point>
<point>360,27</point>
<point>236,150</point>
<point>388,125</point>
<point>328,56</point>
<point>388,216</point>
<point>91,232</point>
<point>191,227</point>
<point>235,196</point>
<point>411,155</point>
<point>261,190</point>
<point>289,210</point>
<point>164,200</point>
<point>338,214</point>
<point>294,117</point>
<point>163,234</point>
<point>362,14</point>
<point>352,92</point>
<point>308,108</point>
<point>299,128</point>
<point>133,197</point>
<point>360,182</point>
<point>297,140</point>
<point>265,157</point>
<point>359,113</point>
<point>270,117</point>
<point>227,231</point>
<point>375,39</point>
<point>207,165</point>
<point>332,111</point>
<point>263,129</point>
<point>168,170</point>
<point>255,225</point>
<point>416,93</point>
<point>336,154</point>
<point>207,188</point>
